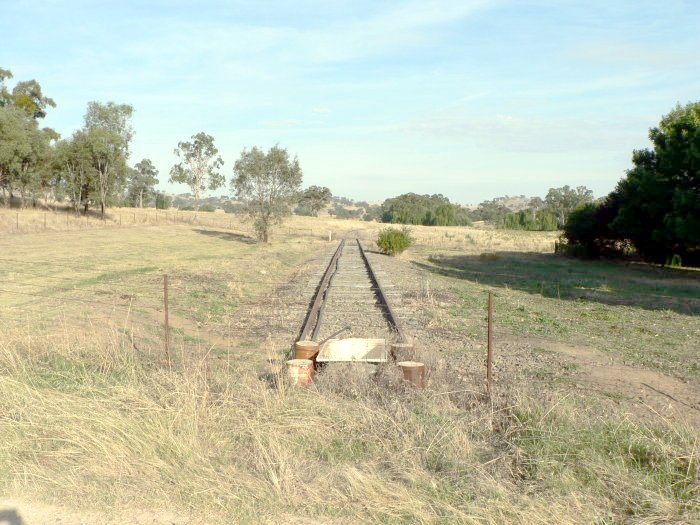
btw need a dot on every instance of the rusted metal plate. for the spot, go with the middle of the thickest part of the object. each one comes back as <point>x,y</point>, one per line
<point>353,349</point>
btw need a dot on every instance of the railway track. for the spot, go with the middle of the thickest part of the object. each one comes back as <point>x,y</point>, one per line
<point>350,300</point>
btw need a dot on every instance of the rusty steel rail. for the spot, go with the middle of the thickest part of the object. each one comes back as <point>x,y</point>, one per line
<point>314,312</point>
<point>314,317</point>
<point>393,320</point>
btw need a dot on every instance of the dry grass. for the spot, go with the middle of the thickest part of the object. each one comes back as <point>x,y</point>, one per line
<point>101,426</point>
<point>90,420</point>
<point>469,239</point>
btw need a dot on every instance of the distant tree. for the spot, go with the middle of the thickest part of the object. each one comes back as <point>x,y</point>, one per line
<point>268,184</point>
<point>491,211</point>
<point>200,166</point>
<point>429,210</point>
<point>314,199</point>
<point>372,213</point>
<point>73,160</point>
<point>531,220</point>
<point>341,212</point>
<point>163,201</point>
<point>142,181</point>
<point>564,200</point>
<point>108,133</point>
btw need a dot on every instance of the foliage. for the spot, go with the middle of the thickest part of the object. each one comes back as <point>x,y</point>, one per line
<point>341,212</point>
<point>25,155</point>
<point>656,207</point>
<point>73,162</point>
<point>25,96</point>
<point>562,201</point>
<point>491,211</point>
<point>267,183</point>
<point>25,149</point>
<point>108,133</point>
<point>588,231</point>
<point>393,241</point>
<point>531,220</point>
<point>142,180</point>
<point>207,207</point>
<point>200,166</point>
<point>163,201</point>
<point>372,213</point>
<point>660,197</point>
<point>428,210</point>
<point>313,199</point>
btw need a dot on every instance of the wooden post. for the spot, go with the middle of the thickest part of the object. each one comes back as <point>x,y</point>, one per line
<point>44,221</point>
<point>167,321</point>
<point>17,221</point>
<point>489,348</point>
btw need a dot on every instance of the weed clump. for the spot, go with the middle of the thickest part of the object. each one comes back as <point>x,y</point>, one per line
<point>393,241</point>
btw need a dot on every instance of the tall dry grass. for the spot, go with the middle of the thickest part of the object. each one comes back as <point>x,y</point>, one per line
<point>91,422</point>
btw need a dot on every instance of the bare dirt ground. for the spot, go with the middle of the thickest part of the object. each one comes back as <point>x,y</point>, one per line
<point>21,512</point>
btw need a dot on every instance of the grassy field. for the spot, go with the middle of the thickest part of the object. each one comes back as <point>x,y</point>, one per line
<point>92,418</point>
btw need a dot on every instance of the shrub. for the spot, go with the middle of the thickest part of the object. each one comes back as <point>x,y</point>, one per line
<point>393,241</point>
<point>163,201</point>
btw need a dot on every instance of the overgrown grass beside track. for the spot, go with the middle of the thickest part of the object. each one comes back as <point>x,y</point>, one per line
<point>105,427</point>
<point>92,417</point>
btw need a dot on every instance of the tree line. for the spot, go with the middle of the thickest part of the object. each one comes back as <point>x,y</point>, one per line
<point>655,209</point>
<point>91,167</point>
<point>545,214</point>
<point>428,210</point>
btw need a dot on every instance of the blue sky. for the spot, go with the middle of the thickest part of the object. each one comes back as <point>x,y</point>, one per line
<point>471,99</point>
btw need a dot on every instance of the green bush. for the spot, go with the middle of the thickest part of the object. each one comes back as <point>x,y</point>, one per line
<point>393,241</point>
<point>163,201</point>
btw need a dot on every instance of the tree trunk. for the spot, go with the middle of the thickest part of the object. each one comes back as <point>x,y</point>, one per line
<point>102,208</point>
<point>141,199</point>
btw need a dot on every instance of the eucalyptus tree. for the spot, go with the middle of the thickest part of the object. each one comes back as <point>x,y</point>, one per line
<point>5,97</point>
<point>143,178</point>
<point>268,184</point>
<point>108,130</point>
<point>73,161</point>
<point>200,166</point>
<point>26,95</point>
<point>13,147</point>
<point>34,174</point>
<point>562,201</point>
<point>314,198</point>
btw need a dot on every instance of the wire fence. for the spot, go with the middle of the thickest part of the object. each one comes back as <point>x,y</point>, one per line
<point>155,311</point>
